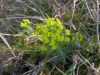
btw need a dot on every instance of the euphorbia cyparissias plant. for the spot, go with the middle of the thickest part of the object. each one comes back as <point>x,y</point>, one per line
<point>52,34</point>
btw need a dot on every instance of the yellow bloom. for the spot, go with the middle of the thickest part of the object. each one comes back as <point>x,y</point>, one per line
<point>25,23</point>
<point>67,32</point>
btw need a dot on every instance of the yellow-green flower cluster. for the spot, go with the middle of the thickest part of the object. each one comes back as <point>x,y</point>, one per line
<point>50,32</point>
<point>67,32</point>
<point>25,23</point>
<point>54,24</point>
